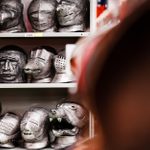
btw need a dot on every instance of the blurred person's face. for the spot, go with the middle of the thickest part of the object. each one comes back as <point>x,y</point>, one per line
<point>128,117</point>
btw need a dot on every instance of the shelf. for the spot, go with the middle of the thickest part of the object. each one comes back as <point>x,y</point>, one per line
<point>38,85</point>
<point>24,149</point>
<point>45,34</point>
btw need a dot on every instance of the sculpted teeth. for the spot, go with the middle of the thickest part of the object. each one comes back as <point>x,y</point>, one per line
<point>51,119</point>
<point>59,119</point>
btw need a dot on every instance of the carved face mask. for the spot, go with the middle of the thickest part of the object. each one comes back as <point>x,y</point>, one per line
<point>72,12</point>
<point>66,121</point>
<point>42,15</point>
<point>9,129</point>
<point>11,16</point>
<point>60,65</point>
<point>33,125</point>
<point>11,65</point>
<point>40,64</point>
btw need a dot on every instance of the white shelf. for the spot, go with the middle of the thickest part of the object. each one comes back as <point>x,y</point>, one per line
<point>45,34</point>
<point>38,85</point>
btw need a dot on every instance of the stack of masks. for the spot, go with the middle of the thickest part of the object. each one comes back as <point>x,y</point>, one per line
<point>44,15</point>
<point>44,65</point>
<point>39,127</point>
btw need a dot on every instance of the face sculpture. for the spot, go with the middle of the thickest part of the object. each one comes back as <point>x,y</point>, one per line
<point>9,129</point>
<point>71,14</point>
<point>60,64</point>
<point>40,65</point>
<point>12,61</point>
<point>42,15</point>
<point>11,16</point>
<point>66,121</point>
<point>34,128</point>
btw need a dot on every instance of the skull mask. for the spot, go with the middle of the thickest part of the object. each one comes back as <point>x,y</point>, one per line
<point>40,65</point>
<point>11,16</point>
<point>34,128</point>
<point>42,15</point>
<point>12,62</point>
<point>71,15</point>
<point>66,122</point>
<point>9,129</point>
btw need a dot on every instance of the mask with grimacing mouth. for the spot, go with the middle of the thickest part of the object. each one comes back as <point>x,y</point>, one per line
<point>12,62</point>
<point>67,120</point>
<point>34,128</point>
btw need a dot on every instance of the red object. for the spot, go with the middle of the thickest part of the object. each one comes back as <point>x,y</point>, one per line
<point>100,9</point>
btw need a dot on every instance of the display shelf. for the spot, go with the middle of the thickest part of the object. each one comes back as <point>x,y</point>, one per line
<point>45,34</point>
<point>39,85</point>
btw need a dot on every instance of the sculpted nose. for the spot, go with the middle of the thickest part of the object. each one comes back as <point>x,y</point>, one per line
<point>3,16</point>
<point>53,111</point>
<point>7,65</point>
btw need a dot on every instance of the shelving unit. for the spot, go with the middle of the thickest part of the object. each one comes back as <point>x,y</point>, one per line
<point>19,97</point>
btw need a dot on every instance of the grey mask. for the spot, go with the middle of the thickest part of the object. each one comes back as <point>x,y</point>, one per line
<point>60,64</point>
<point>66,122</point>
<point>11,16</point>
<point>34,128</point>
<point>40,66</point>
<point>9,129</point>
<point>12,62</point>
<point>71,15</point>
<point>42,16</point>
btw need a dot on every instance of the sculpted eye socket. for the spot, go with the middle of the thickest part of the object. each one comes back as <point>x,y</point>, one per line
<point>73,107</point>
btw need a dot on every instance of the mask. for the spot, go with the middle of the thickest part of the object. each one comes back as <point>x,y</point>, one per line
<point>34,128</point>
<point>60,64</point>
<point>66,122</point>
<point>42,15</point>
<point>72,15</point>
<point>9,129</point>
<point>12,61</point>
<point>11,16</point>
<point>40,65</point>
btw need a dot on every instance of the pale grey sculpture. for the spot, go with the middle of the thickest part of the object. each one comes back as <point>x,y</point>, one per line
<point>40,65</point>
<point>42,15</point>
<point>11,16</point>
<point>34,128</point>
<point>71,15</point>
<point>9,129</point>
<point>66,122</point>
